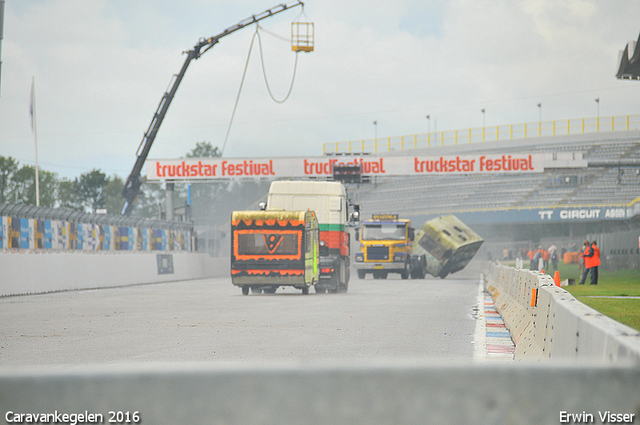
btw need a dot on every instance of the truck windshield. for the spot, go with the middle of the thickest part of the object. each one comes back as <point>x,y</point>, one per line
<point>379,232</point>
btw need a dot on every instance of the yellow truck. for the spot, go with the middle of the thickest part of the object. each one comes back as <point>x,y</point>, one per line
<point>386,247</point>
<point>274,248</point>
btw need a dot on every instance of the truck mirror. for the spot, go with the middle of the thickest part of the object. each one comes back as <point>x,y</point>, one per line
<point>355,218</point>
<point>262,206</point>
<point>357,234</point>
<point>412,234</point>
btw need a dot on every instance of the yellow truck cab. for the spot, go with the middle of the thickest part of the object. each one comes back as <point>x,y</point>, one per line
<point>270,249</point>
<point>386,247</point>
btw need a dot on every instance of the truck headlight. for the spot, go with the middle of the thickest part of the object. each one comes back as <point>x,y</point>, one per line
<point>359,257</point>
<point>397,258</point>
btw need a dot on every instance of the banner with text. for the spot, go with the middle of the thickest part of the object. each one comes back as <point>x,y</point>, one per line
<point>301,167</point>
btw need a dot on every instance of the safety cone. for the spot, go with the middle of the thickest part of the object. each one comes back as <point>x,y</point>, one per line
<point>556,278</point>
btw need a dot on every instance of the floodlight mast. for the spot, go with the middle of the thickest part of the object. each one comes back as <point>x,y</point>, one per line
<point>131,188</point>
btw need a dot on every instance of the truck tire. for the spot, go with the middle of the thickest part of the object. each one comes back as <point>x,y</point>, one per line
<point>245,290</point>
<point>361,274</point>
<point>405,274</point>
<point>340,278</point>
<point>343,277</point>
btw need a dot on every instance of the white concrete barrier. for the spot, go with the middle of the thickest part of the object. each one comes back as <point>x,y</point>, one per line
<point>31,273</point>
<point>547,322</point>
<point>367,393</point>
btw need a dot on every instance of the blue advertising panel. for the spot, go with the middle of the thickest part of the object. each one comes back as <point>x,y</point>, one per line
<point>107,238</point>
<point>24,233</point>
<point>131,239</point>
<point>48,235</point>
<point>165,240</point>
<point>124,238</point>
<point>145,239</point>
<point>80,235</point>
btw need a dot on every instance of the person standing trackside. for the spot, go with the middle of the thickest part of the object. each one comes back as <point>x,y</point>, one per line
<point>595,262</point>
<point>587,255</point>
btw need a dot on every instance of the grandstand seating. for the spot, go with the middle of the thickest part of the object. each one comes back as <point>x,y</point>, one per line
<point>437,194</point>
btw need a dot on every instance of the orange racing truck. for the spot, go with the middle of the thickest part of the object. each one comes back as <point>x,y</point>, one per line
<point>270,249</point>
<point>386,247</point>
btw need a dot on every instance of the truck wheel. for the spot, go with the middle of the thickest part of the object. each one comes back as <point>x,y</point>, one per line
<point>343,279</point>
<point>361,274</point>
<point>405,274</point>
<point>245,290</point>
<point>305,290</point>
<point>256,290</point>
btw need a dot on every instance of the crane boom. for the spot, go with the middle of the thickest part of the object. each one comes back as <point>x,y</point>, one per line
<point>132,185</point>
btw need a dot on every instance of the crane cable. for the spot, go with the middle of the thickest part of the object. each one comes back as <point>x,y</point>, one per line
<point>264,73</point>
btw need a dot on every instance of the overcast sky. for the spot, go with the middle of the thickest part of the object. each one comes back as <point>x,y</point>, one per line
<point>101,68</point>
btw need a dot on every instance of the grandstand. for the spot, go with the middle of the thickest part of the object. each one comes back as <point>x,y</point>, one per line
<point>426,196</point>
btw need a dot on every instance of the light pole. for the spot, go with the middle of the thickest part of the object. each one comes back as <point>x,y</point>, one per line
<point>429,120</point>
<point>598,116</point>
<point>540,119</point>
<point>483,121</point>
<point>375,125</point>
<point>540,112</point>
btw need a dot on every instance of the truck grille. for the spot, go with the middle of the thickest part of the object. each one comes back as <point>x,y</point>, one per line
<point>378,253</point>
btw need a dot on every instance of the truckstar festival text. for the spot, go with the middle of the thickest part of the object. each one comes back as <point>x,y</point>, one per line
<point>218,168</point>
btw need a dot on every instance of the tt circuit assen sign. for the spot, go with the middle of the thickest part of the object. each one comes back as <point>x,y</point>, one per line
<point>566,215</point>
<point>301,167</point>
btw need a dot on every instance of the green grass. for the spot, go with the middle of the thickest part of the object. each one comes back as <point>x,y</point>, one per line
<point>612,283</point>
<point>624,311</point>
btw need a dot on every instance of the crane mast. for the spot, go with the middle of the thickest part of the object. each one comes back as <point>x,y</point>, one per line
<point>131,188</point>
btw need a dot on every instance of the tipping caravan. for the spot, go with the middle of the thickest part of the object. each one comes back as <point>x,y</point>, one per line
<point>448,244</point>
<point>329,201</point>
<point>270,249</point>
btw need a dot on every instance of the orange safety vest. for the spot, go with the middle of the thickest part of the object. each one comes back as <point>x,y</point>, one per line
<point>596,256</point>
<point>589,257</point>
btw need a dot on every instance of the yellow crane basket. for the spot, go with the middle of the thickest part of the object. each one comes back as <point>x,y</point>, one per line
<point>302,34</point>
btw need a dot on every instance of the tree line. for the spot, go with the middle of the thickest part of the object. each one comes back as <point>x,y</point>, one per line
<point>91,191</point>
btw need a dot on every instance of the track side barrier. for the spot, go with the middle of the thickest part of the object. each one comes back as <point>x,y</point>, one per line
<point>32,273</point>
<point>547,322</point>
<point>364,392</point>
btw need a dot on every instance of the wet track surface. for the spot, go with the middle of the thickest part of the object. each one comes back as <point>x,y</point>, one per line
<point>208,320</point>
